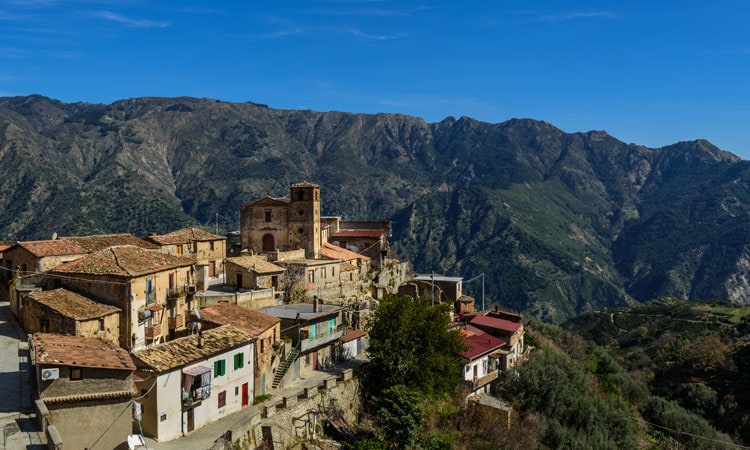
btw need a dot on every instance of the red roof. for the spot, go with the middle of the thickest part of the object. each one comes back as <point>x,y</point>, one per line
<point>358,234</point>
<point>479,344</point>
<point>498,324</point>
<point>336,252</point>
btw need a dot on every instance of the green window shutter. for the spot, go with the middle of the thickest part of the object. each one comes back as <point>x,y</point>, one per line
<point>239,361</point>
<point>219,368</point>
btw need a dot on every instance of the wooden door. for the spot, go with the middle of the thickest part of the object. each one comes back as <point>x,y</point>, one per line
<point>245,395</point>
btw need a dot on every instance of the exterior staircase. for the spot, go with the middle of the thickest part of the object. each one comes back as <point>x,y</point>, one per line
<point>290,358</point>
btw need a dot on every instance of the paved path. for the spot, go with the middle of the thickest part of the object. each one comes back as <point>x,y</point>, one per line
<point>19,429</point>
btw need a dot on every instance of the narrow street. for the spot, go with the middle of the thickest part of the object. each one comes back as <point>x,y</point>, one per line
<point>19,427</point>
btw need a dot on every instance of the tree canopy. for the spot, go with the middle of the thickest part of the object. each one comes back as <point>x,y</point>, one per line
<point>412,345</point>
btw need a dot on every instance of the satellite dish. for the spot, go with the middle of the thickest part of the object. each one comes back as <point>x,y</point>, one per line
<point>54,236</point>
<point>197,314</point>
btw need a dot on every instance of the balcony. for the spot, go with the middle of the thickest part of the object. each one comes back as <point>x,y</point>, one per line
<point>482,381</point>
<point>175,293</point>
<point>153,332</point>
<point>322,339</point>
<point>177,321</point>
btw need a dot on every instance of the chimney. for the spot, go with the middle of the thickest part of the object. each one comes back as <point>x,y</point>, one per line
<point>201,340</point>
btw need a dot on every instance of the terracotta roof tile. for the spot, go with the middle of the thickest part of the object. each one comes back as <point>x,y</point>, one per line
<point>56,247</point>
<point>77,351</point>
<point>124,261</point>
<point>335,252</point>
<point>251,321</point>
<point>4,247</point>
<point>181,351</point>
<point>256,263</point>
<point>72,305</point>
<point>184,236</point>
<point>102,241</point>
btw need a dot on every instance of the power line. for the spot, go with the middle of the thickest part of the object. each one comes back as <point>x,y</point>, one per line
<point>731,444</point>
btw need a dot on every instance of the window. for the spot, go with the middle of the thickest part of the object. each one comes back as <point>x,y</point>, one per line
<point>311,276</point>
<point>262,345</point>
<point>239,361</point>
<point>211,245</point>
<point>150,291</point>
<point>76,374</point>
<point>178,249</point>
<point>44,325</point>
<point>268,216</point>
<point>162,418</point>
<point>222,399</point>
<point>219,368</point>
<point>236,391</point>
<point>101,324</point>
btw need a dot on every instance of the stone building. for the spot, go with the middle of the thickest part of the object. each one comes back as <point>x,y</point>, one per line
<point>206,248</point>
<point>154,290</point>
<point>84,388</point>
<point>65,312</point>
<point>271,224</point>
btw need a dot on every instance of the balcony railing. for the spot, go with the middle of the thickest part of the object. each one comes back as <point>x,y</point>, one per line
<point>153,332</point>
<point>481,381</point>
<point>175,293</point>
<point>177,321</point>
<point>322,339</point>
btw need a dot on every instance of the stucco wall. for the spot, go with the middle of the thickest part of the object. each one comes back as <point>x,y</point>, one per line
<point>102,425</point>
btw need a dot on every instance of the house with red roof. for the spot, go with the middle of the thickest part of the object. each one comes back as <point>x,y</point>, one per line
<point>511,331</point>
<point>83,389</point>
<point>482,355</point>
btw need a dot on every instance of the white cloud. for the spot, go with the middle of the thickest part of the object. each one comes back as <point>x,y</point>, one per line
<point>129,21</point>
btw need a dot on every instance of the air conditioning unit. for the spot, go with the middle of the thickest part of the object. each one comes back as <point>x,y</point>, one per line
<point>190,289</point>
<point>50,374</point>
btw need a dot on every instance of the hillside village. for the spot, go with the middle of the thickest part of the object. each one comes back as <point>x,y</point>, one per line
<point>161,335</point>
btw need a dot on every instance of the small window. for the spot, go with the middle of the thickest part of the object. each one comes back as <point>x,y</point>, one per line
<point>101,324</point>
<point>236,391</point>
<point>162,418</point>
<point>301,212</point>
<point>300,230</point>
<point>300,195</point>
<point>262,345</point>
<point>239,361</point>
<point>76,374</point>
<point>222,399</point>
<point>179,249</point>
<point>44,325</point>
<point>219,368</point>
<point>211,245</point>
<point>268,216</point>
<point>311,276</point>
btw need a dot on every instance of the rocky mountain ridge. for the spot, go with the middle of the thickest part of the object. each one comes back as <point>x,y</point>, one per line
<point>559,223</point>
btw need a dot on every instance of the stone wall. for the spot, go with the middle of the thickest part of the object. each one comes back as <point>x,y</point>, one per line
<point>297,415</point>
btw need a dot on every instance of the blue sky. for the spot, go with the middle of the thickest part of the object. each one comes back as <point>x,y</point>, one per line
<point>649,72</point>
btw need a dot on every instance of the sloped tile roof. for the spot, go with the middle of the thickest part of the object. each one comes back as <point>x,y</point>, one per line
<point>335,252</point>
<point>125,261</point>
<point>56,247</point>
<point>184,236</point>
<point>77,351</point>
<point>251,321</point>
<point>102,241</point>
<point>4,247</point>
<point>70,304</point>
<point>268,201</point>
<point>479,344</point>
<point>498,324</point>
<point>182,351</point>
<point>256,263</point>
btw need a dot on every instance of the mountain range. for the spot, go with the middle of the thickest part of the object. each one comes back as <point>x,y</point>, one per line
<point>555,223</point>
